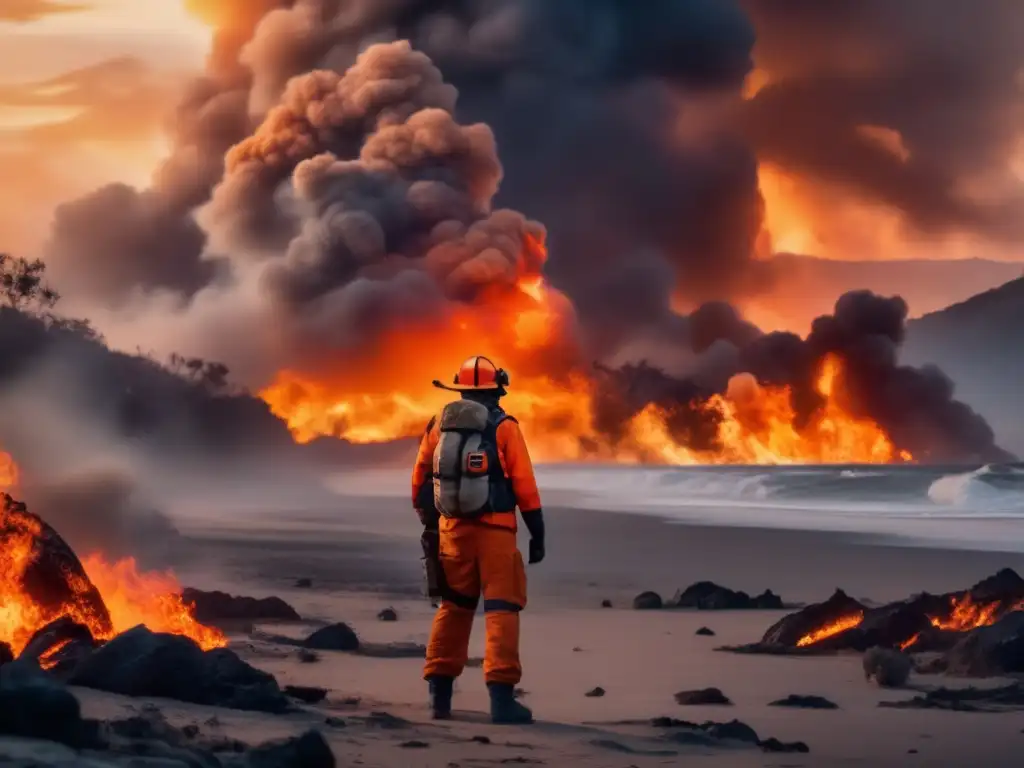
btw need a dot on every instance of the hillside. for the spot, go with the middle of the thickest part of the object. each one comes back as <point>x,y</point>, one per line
<point>980,344</point>
<point>808,286</point>
<point>66,399</point>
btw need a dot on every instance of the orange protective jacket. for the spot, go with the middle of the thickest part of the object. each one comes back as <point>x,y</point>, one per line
<point>515,462</point>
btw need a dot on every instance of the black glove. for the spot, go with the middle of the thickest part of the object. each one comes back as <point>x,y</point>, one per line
<point>534,520</point>
<point>536,551</point>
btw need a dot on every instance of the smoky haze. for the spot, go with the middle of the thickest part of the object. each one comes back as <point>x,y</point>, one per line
<point>335,174</point>
<point>915,105</point>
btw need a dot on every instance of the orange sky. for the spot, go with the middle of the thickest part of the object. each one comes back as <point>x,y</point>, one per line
<point>83,93</point>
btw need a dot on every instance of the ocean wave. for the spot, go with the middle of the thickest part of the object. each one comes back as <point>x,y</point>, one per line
<point>989,487</point>
<point>972,507</point>
<point>992,490</point>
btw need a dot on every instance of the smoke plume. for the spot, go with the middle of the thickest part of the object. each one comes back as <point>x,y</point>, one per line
<point>913,105</point>
<point>586,99</point>
<point>916,407</point>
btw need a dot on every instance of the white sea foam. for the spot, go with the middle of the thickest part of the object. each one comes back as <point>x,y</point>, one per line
<point>971,508</point>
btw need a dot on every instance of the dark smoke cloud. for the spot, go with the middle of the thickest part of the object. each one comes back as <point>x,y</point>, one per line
<point>135,239</point>
<point>609,116</point>
<point>390,217</point>
<point>945,75</point>
<point>915,406</point>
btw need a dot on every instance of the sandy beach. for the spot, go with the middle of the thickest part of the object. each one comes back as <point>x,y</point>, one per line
<point>362,556</point>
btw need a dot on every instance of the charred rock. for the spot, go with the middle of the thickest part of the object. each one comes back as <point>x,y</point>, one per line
<point>214,607</point>
<point>144,663</point>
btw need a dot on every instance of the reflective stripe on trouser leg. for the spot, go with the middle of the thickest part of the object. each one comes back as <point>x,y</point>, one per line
<point>503,582</point>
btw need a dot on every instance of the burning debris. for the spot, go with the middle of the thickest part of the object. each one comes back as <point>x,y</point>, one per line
<point>53,603</point>
<point>112,628</point>
<point>42,580</point>
<point>980,630</point>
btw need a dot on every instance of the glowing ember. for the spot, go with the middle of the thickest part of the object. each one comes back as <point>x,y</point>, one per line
<point>49,658</point>
<point>840,625</point>
<point>910,641</point>
<point>130,598</point>
<point>967,614</point>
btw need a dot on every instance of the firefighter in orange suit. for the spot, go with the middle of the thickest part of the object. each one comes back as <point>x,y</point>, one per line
<point>472,471</point>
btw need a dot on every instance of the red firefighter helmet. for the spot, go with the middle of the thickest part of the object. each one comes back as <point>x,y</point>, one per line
<point>477,373</point>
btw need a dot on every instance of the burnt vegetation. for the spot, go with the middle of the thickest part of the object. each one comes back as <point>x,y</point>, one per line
<point>181,404</point>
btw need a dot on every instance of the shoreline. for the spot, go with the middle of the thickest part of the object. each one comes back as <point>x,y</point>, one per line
<point>371,544</point>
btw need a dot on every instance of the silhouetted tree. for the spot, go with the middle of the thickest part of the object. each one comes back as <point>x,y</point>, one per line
<point>210,375</point>
<point>22,286</point>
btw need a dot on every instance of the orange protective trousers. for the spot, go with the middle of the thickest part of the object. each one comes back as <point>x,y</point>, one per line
<point>479,558</point>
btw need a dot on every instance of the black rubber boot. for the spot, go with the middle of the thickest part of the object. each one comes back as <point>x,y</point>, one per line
<point>441,697</point>
<point>505,710</point>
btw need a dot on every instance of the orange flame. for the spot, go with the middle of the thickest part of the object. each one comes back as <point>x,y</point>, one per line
<point>756,425</point>
<point>837,626</point>
<point>48,659</point>
<point>964,616</point>
<point>909,641</point>
<point>967,614</point>
<point>152,599</point>
<point>131,598</point>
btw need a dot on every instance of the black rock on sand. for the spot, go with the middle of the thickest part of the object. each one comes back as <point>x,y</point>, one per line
<point>712,734</point>
<point>144,663</point>
<point>703,696</point>
<point>1007,698</point>
<point>648,601</point>
<point>335,637</point>
<point>708,596</point>
<point>988,651</point>
<point>797,701</point>
<point>213,607</point>
<point>34,705</point>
